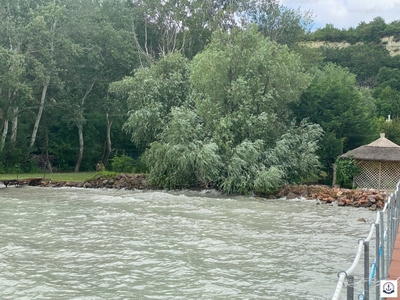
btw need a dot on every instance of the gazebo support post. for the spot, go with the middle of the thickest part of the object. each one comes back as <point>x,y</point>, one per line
<point>334,175</point>
<point>380,175</point>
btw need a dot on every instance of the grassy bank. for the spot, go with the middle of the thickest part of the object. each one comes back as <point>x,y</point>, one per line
<point>81,176</point>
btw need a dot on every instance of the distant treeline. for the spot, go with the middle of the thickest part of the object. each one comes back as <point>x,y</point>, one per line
<point>371,32</point>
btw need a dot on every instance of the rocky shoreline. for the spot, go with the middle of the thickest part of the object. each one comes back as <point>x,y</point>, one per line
<point>374,199</point>
<point>122,181</point>
<point>345,197</point>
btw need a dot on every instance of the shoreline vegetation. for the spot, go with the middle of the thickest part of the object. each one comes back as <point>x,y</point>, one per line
<point>241,96</point>
<point>374,199</point>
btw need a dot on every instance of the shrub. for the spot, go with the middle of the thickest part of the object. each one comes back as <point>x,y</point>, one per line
<point>122,163</point>
<point>346,170</point>
<point>140,165</point>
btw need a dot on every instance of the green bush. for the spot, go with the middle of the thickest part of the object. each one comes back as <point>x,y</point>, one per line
<point>346,170</point>
<point>140,166</point>
<point>122,163</point>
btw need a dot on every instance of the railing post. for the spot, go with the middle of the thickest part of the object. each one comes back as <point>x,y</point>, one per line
<point>377,271</point>
<point>390,212</point>
<point>393,230</point>
<point>388,244</point>
<point>382,241</point>
<point>366,270</point>
<point>396,222</point>
<point>350,287</point>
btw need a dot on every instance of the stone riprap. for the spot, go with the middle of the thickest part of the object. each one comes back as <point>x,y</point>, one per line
<point>121,181</point>
<point>344,197</point>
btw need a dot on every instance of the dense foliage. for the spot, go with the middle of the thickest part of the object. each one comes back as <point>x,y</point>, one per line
<point>333,101</point>
<point>346,170</point>
<point>58,58</point>
<point>214,92</point>
<point>234,131</point>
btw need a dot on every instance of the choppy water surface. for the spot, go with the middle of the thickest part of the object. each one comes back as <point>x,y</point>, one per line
<point>106,244</point>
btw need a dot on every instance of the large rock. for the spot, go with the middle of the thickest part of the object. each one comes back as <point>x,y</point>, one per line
<point>330,200</point>
<point>371,198</point>
<point>291,196</point>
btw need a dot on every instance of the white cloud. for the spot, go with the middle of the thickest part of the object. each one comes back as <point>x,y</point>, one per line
<point>344,14</point>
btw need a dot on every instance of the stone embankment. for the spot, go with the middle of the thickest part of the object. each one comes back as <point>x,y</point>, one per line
<point>122,181</point>
<point>345,197</point>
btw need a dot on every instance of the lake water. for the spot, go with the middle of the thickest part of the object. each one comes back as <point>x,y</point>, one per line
<point>108,244</point>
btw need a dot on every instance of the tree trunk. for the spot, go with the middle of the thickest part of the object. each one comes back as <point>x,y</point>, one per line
<point>39,115</point>
<point>9,101</point>
<point>3,138</point>
<point>14,126</point>
<point>80,125</point>
<point>48,163</point>
<point>109,150</point>
<point>78,163</point>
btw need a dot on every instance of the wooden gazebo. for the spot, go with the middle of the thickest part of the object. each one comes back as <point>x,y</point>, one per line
<point>379,162</point>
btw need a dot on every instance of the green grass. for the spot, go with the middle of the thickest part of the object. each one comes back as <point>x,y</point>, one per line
<point>81,176</point>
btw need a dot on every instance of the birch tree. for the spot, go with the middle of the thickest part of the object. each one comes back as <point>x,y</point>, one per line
<point>14,19</point>
<point>103,53</point>
<point>13,89</point>
<point>45,46</point>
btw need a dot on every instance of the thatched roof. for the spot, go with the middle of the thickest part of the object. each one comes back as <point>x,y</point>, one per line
<point>380,150</point>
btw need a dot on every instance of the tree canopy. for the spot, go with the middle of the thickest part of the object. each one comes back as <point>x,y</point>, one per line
<point>234,130</point>
<point>333,101</point>
<point>212,92</point>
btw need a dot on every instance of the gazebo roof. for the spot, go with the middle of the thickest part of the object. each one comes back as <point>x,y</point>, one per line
<point>380,150</point>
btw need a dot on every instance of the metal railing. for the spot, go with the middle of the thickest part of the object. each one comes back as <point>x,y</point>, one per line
<point>385,235</point>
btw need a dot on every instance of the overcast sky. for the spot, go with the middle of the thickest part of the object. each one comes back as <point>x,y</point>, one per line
<point>345,14</point>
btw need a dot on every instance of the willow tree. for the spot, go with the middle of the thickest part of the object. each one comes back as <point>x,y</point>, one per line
<point>235,131</point>
<point>151,93</point>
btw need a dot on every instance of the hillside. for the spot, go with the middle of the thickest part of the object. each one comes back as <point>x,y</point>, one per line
<point>390,43</point>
